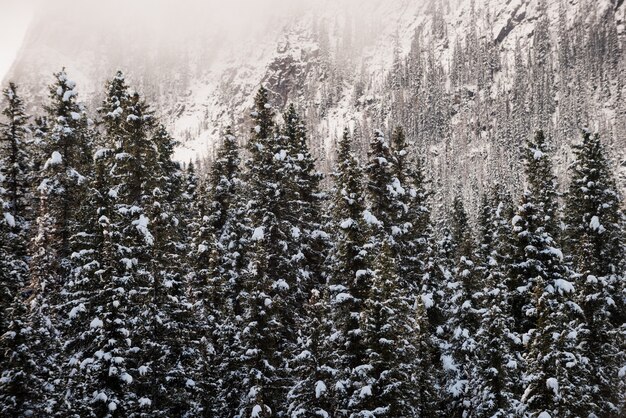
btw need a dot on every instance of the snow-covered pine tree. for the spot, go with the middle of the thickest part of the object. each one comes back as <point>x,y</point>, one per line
<point>271,311</point>
<point>350,275</point>
<point>426,377</point>
<point>311,395</point>
<point>542,195</point>
<point>131,346</point>
<point>382,188</point>
<point>498,363</point>
<point>222,242</point>
<point>411,217</point>
<point>65,174</point>
<point>595,241</point>
<point>305,200</point>
<point>172,351</point>
<point>463,311</point>
<point>15,201</point>
<point>102,356</point>
<point>61,228</point>
<point>388,372</point>
<point>556,367</point>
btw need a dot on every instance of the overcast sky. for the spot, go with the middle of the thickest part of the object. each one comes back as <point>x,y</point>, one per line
<point>14,18</point>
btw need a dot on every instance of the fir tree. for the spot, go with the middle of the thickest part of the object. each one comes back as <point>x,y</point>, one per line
<point>556,365</point>
<point>388,387</point>
<point>464,303</point>
<point>498,369</point>
<point>272,289</point>
<point>350,274</point>
<point>311,394</point>
<point>15,201</point>
<point>541,194</point>
<point>595,240</point>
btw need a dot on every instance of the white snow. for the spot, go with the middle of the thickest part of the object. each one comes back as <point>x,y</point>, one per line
<point>55,158</point>
<point>320,388</point>
<point>427,300</point>
<point>76,310</point>
<point>101,396</point>
<point>258,234</point>
<point>342,297</point>
<point>361,273</point>
<point>144,402</point>
<point>68,95</point>
<point>142,226</point>
<point>256,411</point>
<point>281,155</point>
<point>448,363</point>
<point>96,323</point>
<point>347,223</point>
<point>112,406</point>
<point>10,220</point>
<point>126,378</point>
<point>280,284</point>
<point>552,383</point>
<point>544,415</point>
<point>557,252</point>
<point>370,218</point>
<point>564,285</point>
<point>365,391</point>
<point>595,224</point>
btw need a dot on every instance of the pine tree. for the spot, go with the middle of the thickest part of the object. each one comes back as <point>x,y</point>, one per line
<point>542,195</point>
<point>311,395</point>
<point>61,228</point>
<point>223,243</point>
<point>350,274</point>
<point>388,387</point>
<point>381,187</point>
<point>272,289</point>
<point>102,314</point>
<point>556,365</point>
<point>15,201</point>
<point>595,240</point>
<point>498,368</point>
<point>306,199</point>
<point>464,303</point>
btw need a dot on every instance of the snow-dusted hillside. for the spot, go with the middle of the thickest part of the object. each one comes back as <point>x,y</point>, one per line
<point>337,60</point>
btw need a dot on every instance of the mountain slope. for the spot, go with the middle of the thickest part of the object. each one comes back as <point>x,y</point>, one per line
<point>468,79</point>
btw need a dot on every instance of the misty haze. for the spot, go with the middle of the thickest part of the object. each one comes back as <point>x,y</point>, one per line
<point>313,208</point>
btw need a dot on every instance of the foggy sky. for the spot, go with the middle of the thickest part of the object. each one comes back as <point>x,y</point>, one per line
<point>15,16</point>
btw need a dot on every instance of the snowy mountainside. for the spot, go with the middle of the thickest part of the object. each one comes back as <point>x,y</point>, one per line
<point>444,69</point>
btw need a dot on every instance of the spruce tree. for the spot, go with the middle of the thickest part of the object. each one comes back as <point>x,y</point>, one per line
<point>311,394</point>
<point>463,310</point>
<point>595,241</point>
<point>272,289</point>
<point>542,195</point>
<point>388,387</point>
<point>15,201</point>
<point>350,274</point>
<point>556,365</point>
<point>498,362</point>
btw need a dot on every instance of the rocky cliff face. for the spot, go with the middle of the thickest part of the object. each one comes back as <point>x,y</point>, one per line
<point>468,79</point>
